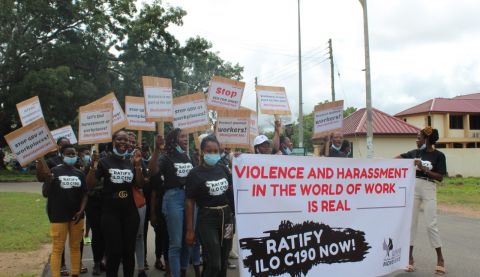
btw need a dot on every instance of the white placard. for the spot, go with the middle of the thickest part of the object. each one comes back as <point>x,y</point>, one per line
<point>158,101</point>
<point>272,100</point>
<point>31,142</point>
<point>322,216</point>
<point>233,132</point>
<point>95,124</point>
<point>29,110</point>
<point>66,132</point>
<point>328,118</point>
<point>225,94</point>
<point>190,113</point>
<point>119,117</point>
<point>135,111</point>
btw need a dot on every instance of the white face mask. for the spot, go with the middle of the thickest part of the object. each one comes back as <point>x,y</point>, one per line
<point>424,146</point>
<point>287,151</point>
<point>335,147</point>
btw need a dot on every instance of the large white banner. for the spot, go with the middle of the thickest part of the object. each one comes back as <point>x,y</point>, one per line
<point>322,216</point>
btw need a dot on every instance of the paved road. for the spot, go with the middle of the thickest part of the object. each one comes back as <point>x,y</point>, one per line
<point>461,238</point>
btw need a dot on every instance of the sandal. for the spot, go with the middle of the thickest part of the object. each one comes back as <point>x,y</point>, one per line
<point>410,268</point>
<point>64,271</point>
<point>159,265</point>
<point>440,270</point>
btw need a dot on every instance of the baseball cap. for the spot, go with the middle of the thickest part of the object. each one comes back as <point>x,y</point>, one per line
<point>259,140</point>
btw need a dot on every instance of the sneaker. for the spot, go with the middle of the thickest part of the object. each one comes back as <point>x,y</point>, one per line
<point>233,255</point>
<point>64,271</point>
<point>142,274</point>
<point>231,266</point>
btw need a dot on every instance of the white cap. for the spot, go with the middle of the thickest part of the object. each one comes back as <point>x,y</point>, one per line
<point>260,139</point>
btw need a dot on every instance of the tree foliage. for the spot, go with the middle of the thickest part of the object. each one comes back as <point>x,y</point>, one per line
<point>70,53</point>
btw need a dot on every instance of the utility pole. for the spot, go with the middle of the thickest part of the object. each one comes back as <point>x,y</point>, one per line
<point>256,96</point>
<point>300,96</point>
<point>332,74</point>
<point>368,82</point>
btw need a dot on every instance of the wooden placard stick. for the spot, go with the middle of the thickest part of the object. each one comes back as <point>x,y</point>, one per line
<point>139,138</point>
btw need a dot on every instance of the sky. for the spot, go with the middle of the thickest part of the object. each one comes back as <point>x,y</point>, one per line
<point>420,49</point>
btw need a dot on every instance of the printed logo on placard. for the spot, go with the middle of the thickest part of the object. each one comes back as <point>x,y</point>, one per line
<point>392,255</point>
<point>183,169</point>
<point>68,182</point>
<point>120,176</point>
<point>216,188</point>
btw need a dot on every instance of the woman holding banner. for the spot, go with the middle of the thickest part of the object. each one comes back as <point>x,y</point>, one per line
<point>210,187</point>
<point>66,191</point>
<point>431,166</point>
<point>175,165</point>
<point>120,219</point>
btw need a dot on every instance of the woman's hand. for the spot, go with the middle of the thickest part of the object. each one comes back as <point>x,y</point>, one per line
<point>78,216</point>
<point>190,237</point>
<point>137,158</point>
<point>159,143</point>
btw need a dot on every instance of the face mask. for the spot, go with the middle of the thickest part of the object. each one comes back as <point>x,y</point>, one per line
<point>211,159</point>
<point>180,149</point>
<point>115,151</point>
<point>423,147</point>
<point>128,154</point>
<point>70,160</point>
<point>335,147</point>
<point>287,151</point>
<point>87,158</point>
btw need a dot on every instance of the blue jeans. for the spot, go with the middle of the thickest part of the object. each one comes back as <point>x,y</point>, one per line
<point>173,209</point>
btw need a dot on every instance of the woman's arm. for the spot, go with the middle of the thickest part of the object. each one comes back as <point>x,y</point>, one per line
<point>137,164</point>
<point>91,178</point>
<point>190,235</point>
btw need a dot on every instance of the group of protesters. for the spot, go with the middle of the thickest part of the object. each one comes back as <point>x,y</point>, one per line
<point>187,199</point>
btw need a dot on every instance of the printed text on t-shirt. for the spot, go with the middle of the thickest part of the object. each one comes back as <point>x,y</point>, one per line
<point>183,169</point>
<point>217,187</point>
<point>120,176</point>
<point>68,182</point>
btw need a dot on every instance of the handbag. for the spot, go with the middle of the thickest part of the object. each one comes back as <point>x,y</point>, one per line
<point>138,197</point>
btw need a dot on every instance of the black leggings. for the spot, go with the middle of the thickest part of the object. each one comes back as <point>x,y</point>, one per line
<point>94,216</point>
<point>120,226</point>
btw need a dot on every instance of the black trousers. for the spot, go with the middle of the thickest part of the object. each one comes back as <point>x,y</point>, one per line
<point>215,229</point>
<point>161,231</point>
<point>120,222</point>
<point>94,216</point>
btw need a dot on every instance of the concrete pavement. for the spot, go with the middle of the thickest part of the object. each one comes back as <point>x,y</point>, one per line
<point>460,235</point>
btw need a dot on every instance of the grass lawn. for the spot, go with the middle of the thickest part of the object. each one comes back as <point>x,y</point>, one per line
<point>460,191</point>
<point>24,225</point>
<point>16,176</point>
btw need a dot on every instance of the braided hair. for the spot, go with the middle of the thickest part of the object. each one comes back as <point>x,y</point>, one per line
<point>171,140</point>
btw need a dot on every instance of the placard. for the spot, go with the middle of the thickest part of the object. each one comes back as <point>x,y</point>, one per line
<point>224,94</point>
<point>233,128</point>
<point>95,124</point>
<point>119,117</point>
<point>29,110</point>
<point>190,113</point>
<point>65,132</point>
<point>328,118</point>
<point>158,95</point>
<point>135,112</point>
<point>272,100</point>
<point>322,216</point>
<point>31,142</point>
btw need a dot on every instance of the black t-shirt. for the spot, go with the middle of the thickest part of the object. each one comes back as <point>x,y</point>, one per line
<point>334,153</point>
<point>436,158</point>
<point>65,193</point>
<point>175,168</point>
<point>209,187</point>
<point>118,175</point>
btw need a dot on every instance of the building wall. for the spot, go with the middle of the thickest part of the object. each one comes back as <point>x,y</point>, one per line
<point>416,120</point>
<point>438,122</point>
<point>384,147</point>
<point>462,161</point>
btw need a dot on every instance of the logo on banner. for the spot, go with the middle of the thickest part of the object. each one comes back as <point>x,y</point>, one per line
<point>294,249</point>
<point>392,256</point>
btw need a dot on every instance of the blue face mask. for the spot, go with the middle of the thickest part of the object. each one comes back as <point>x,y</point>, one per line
<point>87,159</point>
<point>211,159</point>
<point>180,149</point>
<point>70,160</point>
<point>115,151</point>
<point>424,146</point>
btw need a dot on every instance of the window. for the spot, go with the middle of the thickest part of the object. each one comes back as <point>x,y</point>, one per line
<point>471,145</point>
<point>458,145</point>
<point>456,121</point>
<point>405,119</point>
<point>440,145</point>
<point>475,122</point>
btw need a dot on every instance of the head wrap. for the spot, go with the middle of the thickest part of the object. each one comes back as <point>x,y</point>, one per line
<point>427,130</point>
